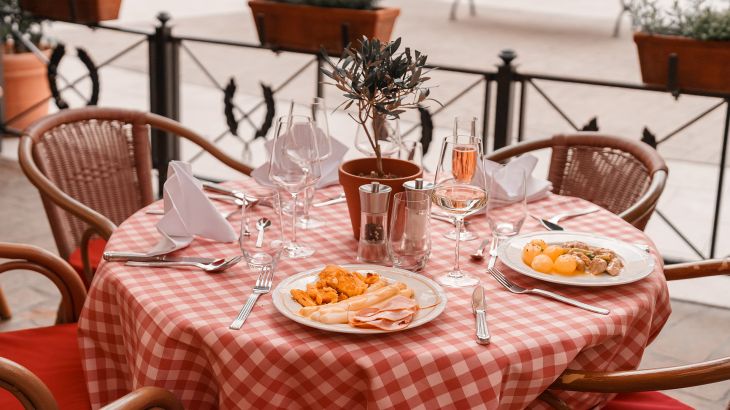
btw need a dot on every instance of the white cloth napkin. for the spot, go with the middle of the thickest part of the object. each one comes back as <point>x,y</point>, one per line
<point>536,188</point>
<point>329,166</point>
<point>188,212</point>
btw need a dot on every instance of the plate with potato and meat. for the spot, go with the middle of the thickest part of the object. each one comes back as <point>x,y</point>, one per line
<point>361,299</point>
<point>575,258</point>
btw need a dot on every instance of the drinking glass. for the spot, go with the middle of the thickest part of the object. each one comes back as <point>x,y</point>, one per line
<point>324,145</point>
<point>459,192</point>
<point>464,125</point>
<point>261,239</point>
<point>507,205</point>
<point>294,166</point>
<point>409,237</point>
<point>387,131</point>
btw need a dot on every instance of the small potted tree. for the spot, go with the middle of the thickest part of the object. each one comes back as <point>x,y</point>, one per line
<point>23,72</point>
<point>698,35</point>
<point>309,25</point>
<point>381,83</point>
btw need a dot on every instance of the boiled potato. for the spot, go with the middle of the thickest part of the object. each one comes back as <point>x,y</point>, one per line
<point>529,252</point>
<point>542,263</point>
<point>553,251</point>
<point>565,264</point>
<point>538,242</point>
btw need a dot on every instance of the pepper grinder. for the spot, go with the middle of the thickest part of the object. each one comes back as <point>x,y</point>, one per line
<point>372,247</point>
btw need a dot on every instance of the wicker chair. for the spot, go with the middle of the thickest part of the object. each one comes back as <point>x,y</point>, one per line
<point>92,167</point>
<point>624,176</point>
<point>41,367</point>
<point>635,385</point>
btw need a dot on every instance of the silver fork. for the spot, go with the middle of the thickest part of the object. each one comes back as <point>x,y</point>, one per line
<point>514,288</point>
<point>262,287</point>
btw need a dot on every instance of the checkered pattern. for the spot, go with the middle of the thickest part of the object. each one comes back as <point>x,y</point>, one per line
<point>169,328</point>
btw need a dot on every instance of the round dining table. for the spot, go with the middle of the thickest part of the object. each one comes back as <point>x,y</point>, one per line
<point>168,327</point>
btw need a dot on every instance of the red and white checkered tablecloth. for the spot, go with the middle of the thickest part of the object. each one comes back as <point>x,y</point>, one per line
<point>169,328</point>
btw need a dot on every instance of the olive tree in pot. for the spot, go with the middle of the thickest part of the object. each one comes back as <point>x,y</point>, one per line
<point>381,83</point>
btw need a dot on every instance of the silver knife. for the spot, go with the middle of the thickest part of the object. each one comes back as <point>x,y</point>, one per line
<point>479,305</point>
<point>332,201</point>
<point>140,257</point>
<point>552,226</point>
<point>211,186</point>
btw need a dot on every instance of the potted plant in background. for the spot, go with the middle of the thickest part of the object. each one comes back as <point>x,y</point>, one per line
<point>23,72</point>
<point>309,25</point>
<point>380,83</point>
<point>698,35</point>
<point>78,11</point>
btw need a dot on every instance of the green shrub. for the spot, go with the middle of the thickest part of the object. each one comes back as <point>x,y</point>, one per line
<point>345,4</point>
<point>699,20</point>
<point>16,23</point>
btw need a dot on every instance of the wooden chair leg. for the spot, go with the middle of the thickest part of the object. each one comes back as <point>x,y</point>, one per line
<point>5,313</point>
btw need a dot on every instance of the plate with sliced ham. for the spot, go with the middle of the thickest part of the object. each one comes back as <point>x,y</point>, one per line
<point>360,299</point>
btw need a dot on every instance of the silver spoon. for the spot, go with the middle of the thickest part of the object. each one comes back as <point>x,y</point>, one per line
<point>261,225</point>
<point>217,266</point>
<point>478,255</point>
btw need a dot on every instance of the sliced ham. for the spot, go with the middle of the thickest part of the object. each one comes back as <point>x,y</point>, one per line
<point>393,314</point>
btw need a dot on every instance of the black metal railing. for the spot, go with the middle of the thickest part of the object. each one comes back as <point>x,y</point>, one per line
<point>501,103</point>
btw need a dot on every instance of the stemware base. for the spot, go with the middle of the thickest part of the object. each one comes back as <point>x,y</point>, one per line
<point>295,251</point>
<point>458,280</point>
<point>464,236</point>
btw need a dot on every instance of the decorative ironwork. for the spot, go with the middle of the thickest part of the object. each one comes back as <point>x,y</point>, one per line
<point>52,72</point>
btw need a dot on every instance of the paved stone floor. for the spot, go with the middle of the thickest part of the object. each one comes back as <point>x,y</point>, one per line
<point>571,38</point>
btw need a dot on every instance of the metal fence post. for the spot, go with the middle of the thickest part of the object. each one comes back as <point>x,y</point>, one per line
<point>164,71</point>
<point>503,105</point>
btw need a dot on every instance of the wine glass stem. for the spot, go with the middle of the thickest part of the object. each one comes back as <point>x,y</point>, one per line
<point>294,217</point>
<point>305,215</point>
<point>457,223</point>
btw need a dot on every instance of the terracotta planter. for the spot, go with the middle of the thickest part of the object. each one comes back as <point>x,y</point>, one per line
<point>87,11</point>
<point>309,28</point>
<point>702,65</point>
<point>25,85</point>
<point>351,182</point>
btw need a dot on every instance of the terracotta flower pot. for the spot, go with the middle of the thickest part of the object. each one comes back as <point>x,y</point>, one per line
<point>309,28</point>
<point>702,65</point>
<point>351,182</point>
<point>25,86</point>
<point>86,11</point>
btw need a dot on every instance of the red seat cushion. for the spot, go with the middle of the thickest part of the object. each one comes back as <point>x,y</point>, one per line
<point>96,250</point>
<point>52,353</point>
<point>651,400</point>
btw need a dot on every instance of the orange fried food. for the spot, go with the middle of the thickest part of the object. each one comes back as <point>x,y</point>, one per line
<point>372,278</point>
<point>321,294</point>
<point>302,298</point>
<point>343,281</point>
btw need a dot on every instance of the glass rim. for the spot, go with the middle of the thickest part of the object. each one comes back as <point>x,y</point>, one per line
<point>404,196</point>
<point>294,118</point>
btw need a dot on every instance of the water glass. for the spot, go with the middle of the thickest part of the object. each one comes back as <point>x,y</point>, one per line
<point>261,239</point>
<point>507,205</point>
<point>409,238</point>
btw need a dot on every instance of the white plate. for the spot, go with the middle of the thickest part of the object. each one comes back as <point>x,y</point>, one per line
<point>637,263</point>
<point>426,291</point>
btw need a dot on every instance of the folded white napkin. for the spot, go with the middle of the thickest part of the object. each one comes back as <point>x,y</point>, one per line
<point>188,212</point>
<point>329,166</point>
<point>536,188</point>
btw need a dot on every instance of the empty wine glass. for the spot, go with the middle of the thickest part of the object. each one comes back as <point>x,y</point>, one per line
<point>324,146</point>
<point>294,166</point>
<point>261,239</point>
<point>459,192</point>
<point>464,126</point>
<point>507,205</point>
<point>386,130</point>
<point>411,150</point>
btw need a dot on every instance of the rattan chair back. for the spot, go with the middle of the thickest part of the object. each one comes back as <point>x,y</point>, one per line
<point>93,168</point>
<point>624,176</point>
